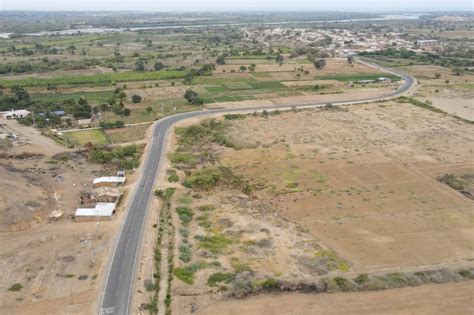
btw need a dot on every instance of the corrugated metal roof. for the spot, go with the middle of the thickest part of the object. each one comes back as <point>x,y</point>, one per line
<point>102,209</point>
<point>109,179</point>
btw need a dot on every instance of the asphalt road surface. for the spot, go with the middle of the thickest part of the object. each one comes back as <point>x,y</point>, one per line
<point>117,294</point>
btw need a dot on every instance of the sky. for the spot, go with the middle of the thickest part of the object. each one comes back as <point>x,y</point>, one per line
<point>240,5</point>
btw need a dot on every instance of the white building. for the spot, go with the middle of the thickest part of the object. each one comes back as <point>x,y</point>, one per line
<point>14,114</point>
<point>108,181</point>
<point>101,211</point>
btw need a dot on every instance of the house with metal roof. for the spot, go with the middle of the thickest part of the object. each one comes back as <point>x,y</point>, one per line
<point>101,211</point>
<point>108,181</point>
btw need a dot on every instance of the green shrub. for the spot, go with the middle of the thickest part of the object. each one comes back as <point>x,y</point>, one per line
<point>215,243</point>
<point>173,178</point>
<point>206,208</point>
<point>342,283</point>
<point>233,116</point>
<point>452,181</point>
<point>185,214</point>
<point>184,274</point>
<point>205,179</point>
<point>219,277</point>
<point>16,287</point>
<point>362,278</point>
<point>269,284</point>
<point>185,253</point>
<point>183,159</point>
<point>184,232</point>
<point>165,194</point>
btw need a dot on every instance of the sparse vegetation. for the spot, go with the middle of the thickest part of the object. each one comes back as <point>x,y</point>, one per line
<point>15,287</point>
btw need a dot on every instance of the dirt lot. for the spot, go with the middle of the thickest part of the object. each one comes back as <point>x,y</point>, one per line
<point>453,298</point>
<point>57,267</point>
<point>364,180</point>
<point>454,97</point>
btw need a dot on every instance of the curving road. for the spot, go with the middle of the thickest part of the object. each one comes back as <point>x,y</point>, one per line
<point>117,291</point>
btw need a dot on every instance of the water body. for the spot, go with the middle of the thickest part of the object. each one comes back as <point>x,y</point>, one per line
<point>408,16</point>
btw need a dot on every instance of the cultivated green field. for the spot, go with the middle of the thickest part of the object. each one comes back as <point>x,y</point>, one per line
<point>80,138</point>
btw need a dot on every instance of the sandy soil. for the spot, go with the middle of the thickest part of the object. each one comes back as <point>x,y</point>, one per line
<point>365,180</point>
<point>60,265</point>
<point>453,298</point>
<point>333,66</point>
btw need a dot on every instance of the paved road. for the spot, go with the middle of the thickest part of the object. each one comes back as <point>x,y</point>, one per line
<point>117,293</point>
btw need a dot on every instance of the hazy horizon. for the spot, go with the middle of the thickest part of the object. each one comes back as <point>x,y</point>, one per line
<point>242,6</point>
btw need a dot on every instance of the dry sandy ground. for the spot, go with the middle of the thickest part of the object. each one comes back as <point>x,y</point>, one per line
<point>333,66</point>
<point>455,298</point>
<point>47,259</point>
<point>454,98</point>
<point>363,181</point>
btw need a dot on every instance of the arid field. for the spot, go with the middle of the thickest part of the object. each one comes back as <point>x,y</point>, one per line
<point>363,180</point>
<point>334,192</point>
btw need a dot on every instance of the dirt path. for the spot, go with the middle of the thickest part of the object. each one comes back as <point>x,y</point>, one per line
<point>164,270</point>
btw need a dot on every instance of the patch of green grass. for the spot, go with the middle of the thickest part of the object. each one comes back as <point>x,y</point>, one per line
<point>320,178</point>
<point>228,98</point>
<point>98,97</point>
<point>186,200</point>
<point>219,277</point>
<point>80,138</point>
<point>216,89</point>
<point>180,159</point>
<point>96,79</point>
<point>187,273</point>
<point>333,261</point>
<point>237,86</point>
<point>216,244</point>
<point>184,274</point>
<point>260,85</point>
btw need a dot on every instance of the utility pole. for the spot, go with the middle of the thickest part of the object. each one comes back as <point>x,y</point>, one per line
<point>34,120</point>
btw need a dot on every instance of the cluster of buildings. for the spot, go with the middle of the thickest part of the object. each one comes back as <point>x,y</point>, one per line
<point>15,114</point>
<point>342,41</point>
<point>102,202</point>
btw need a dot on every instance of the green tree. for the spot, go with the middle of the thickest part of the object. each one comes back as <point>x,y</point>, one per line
<point>220,60</point>
<point>139,65</point>
<point>320,64</point>
<point>279,59</point>
<point>192,97</point>
<point>158,66</point>
<point>136,98</point>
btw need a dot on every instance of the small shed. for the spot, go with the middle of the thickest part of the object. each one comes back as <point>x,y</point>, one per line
<point>14,114</point>
<point>58,113</point>
<point>108,181</point>
<point>106,194</point>
<point>102,211</point>
<point>86,122</point>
